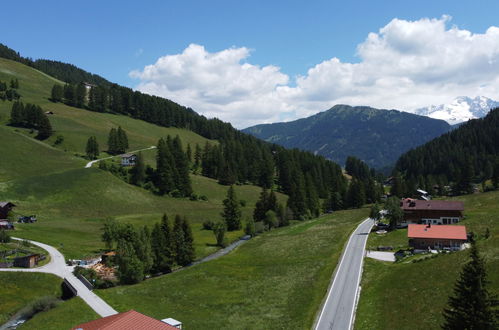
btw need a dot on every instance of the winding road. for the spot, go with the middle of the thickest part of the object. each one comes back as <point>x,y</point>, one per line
<point>57,266</point>
<point>339,309</point>
<point>89,164</point>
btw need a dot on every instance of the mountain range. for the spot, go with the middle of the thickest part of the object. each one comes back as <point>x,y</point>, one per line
<point>376,136</point>
<point>461,109</point>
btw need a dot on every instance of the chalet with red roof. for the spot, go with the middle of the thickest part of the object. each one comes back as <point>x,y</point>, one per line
<point>130,320</point>
<point>423,237</point>
<point>433,212</point>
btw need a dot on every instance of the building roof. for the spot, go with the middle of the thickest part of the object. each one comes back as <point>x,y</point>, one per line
<point>433,205</point>
<point>437,231</point>
<point>4,204</point>
<point>128,155</point>
<point>130,320</point>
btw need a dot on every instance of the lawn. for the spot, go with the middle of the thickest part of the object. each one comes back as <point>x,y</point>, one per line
<point>275,280</point>
<point>413,295</point>
<point>395,238</point>
<point>65,316</point>
<point>19,289</point>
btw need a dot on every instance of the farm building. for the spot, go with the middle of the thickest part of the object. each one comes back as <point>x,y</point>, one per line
<point>128,159</point>
<point>5,208</point>
<point>27,261</point>
<point>431,212</point>
<point>422,237</point>
<point>6,225</point>
<point>126,320</point>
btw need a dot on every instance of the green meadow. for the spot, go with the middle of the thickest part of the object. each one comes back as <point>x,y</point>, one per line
<point>410,295</point>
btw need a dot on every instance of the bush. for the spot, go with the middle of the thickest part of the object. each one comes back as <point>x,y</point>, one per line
<point>259,227</point>
<point>59,140</point>
<point>242,202</point>
<point>40,305</point>
<point>208,225</point>
<point>4,236</point>
<point>203,198</point>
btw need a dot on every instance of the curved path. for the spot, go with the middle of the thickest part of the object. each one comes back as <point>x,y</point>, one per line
<point>58,267</point>
<point>89,164</point>
<point>339,309</point>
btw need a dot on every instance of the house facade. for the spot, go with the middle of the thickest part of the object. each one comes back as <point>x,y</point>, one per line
<point>433,212</point>
<point>423,237</point>
<point>128,159</point>
<point>5,208</point>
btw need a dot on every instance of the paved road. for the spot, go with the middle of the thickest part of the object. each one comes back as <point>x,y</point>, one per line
<point>58,267</point>
<point>89,164</point>
<point>339,308</point>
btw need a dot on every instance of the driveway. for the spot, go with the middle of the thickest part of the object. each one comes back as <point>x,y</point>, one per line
<point>339,309</point>
<point>383,256</point>
<point>57,266</point>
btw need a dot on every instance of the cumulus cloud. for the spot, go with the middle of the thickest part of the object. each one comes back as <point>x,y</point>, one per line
<point>405,65</point>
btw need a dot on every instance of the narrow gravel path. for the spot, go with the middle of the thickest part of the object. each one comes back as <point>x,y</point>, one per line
<point>89,164</point>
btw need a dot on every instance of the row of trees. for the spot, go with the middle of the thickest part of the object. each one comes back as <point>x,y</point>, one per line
<point>117,142</point>
<point>31,116</point>
<point>142,252</point>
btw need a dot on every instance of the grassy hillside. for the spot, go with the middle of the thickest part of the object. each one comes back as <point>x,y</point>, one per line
<point>276,280</point>
<point>413,295</point>
<point>18,289</point>
<point>72,202</point>
<point>76,125</point>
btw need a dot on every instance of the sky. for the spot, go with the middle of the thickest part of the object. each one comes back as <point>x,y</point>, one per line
<point>252,62</point>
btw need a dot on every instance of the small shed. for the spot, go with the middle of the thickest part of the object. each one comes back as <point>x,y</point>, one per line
<point>174,323</point>
<point>27,261</point>
<point>6,225</point>
<point>128,159</point>
<point>5,208</point>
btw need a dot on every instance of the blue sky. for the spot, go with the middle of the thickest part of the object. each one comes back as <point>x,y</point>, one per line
<point>113,38</point>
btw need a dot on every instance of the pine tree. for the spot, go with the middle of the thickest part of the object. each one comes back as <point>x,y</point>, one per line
<point>44,127</point>
<point>92,148</point>
<point>394,212</point>
<point>219,230</point>
<point>138,171</point>
<point>17,114</point>
<point>80,94</point>
<point>57,93</point>
<point>162,247</point>
<point>189,252</point>
<point>183,181</point>
<point>472,306</point>
<point>121,141</point>
<point>270,220</point>
<point>197,158</point>
<point>495,175</point>
<point>112,142</point>
<point>261,206</point>
<point>231,213</point>
<point>163,177</point>
<point>130,268</point>
<point>145,249</point>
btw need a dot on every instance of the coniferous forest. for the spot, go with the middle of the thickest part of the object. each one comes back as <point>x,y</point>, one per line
<point>469,154</point>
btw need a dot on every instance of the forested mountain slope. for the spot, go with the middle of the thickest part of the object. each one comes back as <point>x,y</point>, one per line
<point>375,136</point>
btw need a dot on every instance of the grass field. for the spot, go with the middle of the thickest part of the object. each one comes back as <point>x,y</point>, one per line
<point>276,280</point>
<point>396,239</point>
<point>19,289</point>
<point>413,295</point>
<point>65,316</point>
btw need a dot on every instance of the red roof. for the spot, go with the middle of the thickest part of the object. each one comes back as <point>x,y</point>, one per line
<point>130,320</point>
<point>437,231</point>
<point>415,204</point>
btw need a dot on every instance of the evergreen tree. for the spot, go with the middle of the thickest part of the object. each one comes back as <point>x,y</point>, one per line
<point>249,229</point>
<point>138,171</point>
<point>197,158</point>
<point>92,148</point>
<point>112,142</point>
<point>374,213</point>
<point>80,94</point>
<point>356,194</point>
<point>183,181</point>
<point>178,241</point>
<point>57,93</point>
<point>464,185</point>
<point>109,233</point>
<point>17,114</point>
<point>495,175</point>
<point>398,188</point>
<point>164,177</point>
<point>261,206</point>
<point>145,253</point>
<point>162,247</point>
<point>472,306</point>
<point>312,198</point>
<point>69,94</point>
<point>270,220</point>
<point>44,127</point>
<point>188,153</point>
<point>231,213</point>
<point>121,141</point>
<point>189,250</point>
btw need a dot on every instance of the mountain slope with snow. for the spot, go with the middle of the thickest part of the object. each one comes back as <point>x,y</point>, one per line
<point>461,109</point>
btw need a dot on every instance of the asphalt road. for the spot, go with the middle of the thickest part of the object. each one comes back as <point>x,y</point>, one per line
<point>58,267</point>
<point>339,309</point>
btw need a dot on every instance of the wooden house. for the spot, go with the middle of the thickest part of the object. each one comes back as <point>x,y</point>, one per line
<point>128,159</point>
<point>433,212</point>
<point>6,225</point>
<point>423,237</point>
<point>5,208</point>
<point>27,261</point>
<point>127,320</point>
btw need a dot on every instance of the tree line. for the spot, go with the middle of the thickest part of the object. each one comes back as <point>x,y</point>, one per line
<point>465,156</point>
<point>140,252</point>
<point>31,116</point>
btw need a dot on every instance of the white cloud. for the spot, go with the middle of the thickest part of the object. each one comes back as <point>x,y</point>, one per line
<point>405,65</point>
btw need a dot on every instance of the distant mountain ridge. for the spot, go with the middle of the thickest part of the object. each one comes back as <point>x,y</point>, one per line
<point>376,136</point>
<point>461,109</point>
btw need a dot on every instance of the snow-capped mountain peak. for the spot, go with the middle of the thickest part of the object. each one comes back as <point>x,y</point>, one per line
<point>461,109</point>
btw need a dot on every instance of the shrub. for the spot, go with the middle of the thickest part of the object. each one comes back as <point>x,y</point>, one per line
<point>4,236</point>
<point>208,225</point>
<point>40,305</point>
